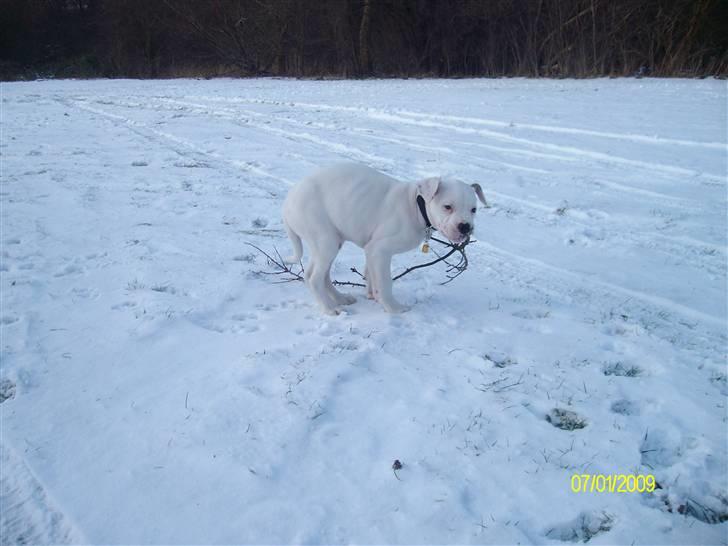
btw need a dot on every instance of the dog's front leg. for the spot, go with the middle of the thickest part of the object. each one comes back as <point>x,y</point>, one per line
<point>379,268</point>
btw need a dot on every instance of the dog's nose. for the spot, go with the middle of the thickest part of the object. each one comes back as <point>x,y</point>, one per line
<point>464,228</point>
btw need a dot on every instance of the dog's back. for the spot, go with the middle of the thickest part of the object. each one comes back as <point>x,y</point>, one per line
<point>346,197</point>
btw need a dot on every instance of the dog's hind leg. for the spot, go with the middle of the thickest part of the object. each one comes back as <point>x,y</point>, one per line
<point>297,245</point>
<point>339,297</point>
<point>323,252</point>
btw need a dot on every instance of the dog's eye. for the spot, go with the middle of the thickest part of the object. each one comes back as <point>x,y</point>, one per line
<point>472,210</point>
<point>448,207</point>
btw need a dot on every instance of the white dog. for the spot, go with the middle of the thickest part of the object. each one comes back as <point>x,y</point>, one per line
<point>350,202</point>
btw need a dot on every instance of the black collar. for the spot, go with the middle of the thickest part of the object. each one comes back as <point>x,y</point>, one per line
<point>423,211</point>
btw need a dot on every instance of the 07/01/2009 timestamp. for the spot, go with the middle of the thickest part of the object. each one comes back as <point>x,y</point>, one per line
<point>613,483</point>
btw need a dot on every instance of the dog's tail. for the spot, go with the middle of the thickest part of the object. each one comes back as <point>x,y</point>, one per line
<point>297,246</point>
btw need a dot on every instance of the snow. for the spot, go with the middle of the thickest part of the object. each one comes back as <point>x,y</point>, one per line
<point>158,389</point>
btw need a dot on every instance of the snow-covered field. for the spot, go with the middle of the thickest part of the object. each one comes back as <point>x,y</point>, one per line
<point>158,389</point>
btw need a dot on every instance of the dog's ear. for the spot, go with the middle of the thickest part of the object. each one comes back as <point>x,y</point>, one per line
<point>428,187</point>
<point>479,193</point>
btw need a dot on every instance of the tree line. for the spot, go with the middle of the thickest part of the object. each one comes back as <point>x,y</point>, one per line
<point>362,38</point>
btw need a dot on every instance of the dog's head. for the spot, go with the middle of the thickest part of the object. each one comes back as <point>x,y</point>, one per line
<point>451,206</point>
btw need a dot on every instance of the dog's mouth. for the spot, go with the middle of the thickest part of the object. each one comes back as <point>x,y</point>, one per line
<point>457,239</point>
<point>455,236</point>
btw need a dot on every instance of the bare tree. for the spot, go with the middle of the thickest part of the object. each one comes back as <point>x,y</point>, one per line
<point>364,38</point>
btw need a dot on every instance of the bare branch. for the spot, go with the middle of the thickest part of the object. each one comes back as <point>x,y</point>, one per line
<point>452,271</point>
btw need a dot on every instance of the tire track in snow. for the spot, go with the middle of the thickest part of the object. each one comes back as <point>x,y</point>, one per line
<point>491,147</point>
<point>238,117</point>
<point>349,152</point>
<point>633,137</point>
<point>409,143</point>
<point>143,130</point>
<point>668,200</point>
<point>577,152</point>
<point>692,252</point>
<point>398,116</point>
<point>369,134</point>
<point>611,287</point>
<point>661,316</point>
<point>359,154</point>
<point>650,195</point>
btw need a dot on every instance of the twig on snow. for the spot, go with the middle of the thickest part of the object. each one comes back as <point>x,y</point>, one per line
<point>289,272</point>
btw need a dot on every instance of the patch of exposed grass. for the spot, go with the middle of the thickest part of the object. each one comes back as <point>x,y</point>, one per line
<point>136,284</point>
<point>166,288</point>
<point>586,526</point>
<point>565,419</point>
<point>622,370</point>
<point>7,390</point>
